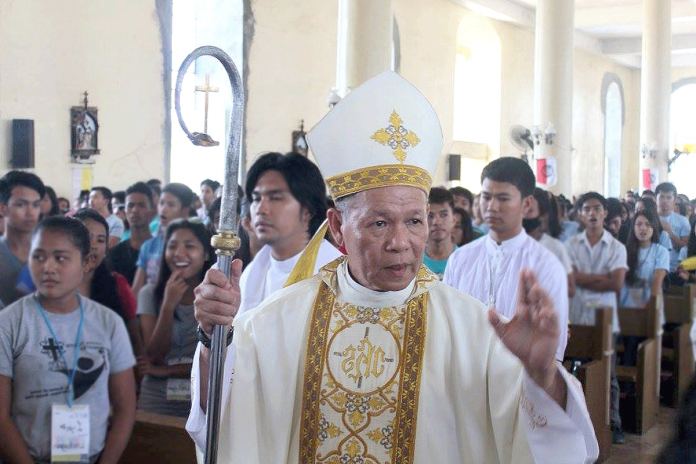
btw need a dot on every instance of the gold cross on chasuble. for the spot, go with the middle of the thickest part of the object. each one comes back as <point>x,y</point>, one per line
<point>362,380</point>
<point>397,137</point>
<point>207,89</point>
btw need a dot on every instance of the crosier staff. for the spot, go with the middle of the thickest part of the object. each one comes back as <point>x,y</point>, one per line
<point>226,241</point>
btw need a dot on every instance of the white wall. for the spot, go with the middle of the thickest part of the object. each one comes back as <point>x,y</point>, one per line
<point>292,68</point>
<point>51,52</point>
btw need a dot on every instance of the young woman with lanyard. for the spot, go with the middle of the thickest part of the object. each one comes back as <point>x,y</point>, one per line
<point>167,322</point>
<point>648,264</point>
<point>65,361</point>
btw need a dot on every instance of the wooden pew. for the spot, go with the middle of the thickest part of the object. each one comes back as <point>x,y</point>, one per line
<point>677,351</point>
<point>643,323</point>
<point>593,343</point>
<point>158,438</point>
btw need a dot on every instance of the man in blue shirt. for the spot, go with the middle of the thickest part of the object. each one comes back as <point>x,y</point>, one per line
<point>175,203</point>
<point>440,225</point>
<point>676,225</point>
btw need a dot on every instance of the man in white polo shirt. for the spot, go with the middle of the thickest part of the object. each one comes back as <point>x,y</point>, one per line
<point>488,269</point>
<point>599,266</point>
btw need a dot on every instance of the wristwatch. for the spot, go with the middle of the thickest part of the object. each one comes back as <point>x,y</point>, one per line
<point>206,341</point>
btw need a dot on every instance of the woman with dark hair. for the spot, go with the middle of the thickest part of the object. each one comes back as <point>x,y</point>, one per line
<point>646,261</point>
<point>89,367</point>
<point>463,231</point>
<point>49,203</point>
<point>645,203</point>
<point>625,222</point>
<point>648,264</point>
<point>167,322</point>
<point>63,205</point>
<point>108,288</point>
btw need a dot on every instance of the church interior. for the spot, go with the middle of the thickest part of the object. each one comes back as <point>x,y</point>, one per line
<point>596,95</point>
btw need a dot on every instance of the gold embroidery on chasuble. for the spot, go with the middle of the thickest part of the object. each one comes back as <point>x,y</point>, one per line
<point>362,378</point>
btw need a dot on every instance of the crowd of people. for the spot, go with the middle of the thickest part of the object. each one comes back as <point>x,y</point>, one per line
<point>101,301</point>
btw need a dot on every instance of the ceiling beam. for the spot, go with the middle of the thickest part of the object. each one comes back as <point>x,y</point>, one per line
<point>633,45</point>
<point>625,14</point>
<point>624,51</point>
<point>502,10</point>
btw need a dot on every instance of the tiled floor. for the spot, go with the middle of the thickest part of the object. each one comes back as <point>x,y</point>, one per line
<point>644,449</point>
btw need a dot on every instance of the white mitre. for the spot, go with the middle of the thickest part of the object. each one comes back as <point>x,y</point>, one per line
<point>383,133</point>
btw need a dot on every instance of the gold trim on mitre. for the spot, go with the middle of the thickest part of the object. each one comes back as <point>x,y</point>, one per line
<point>386,175</point>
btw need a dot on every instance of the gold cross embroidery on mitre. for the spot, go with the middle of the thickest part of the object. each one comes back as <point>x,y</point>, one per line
<point>396,137</point>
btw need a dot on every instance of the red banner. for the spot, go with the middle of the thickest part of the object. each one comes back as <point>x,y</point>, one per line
<point>647,184</point>
<point>541,171</point>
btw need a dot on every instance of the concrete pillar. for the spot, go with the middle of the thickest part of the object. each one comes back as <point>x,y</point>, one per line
<point>655,92</point>
<point>364,42</point>
<point>553,93</point>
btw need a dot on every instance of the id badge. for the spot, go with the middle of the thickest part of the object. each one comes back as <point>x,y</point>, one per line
<point>70,433</point>
<point>178,389</point>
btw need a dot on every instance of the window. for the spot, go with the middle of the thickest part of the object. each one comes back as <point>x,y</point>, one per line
<point>196,23</point>
<point>683,132</point>
<point>613,136</point>
<point>477,86</point>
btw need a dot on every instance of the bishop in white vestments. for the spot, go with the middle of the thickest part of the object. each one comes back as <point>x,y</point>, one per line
<point>374,360</point>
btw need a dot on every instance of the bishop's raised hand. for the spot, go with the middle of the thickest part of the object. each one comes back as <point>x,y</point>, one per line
<point>533,332</point>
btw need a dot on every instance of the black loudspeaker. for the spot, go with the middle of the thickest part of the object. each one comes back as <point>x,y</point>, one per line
<point>455,167</point>
<point>22,143</point>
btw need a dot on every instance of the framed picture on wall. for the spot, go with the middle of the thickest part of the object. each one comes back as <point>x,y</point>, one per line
<point>299,142</point>
<point>84,127</point>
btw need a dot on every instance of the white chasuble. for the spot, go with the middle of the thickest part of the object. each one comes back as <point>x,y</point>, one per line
<point>362,378</point>
<point>328,371</point>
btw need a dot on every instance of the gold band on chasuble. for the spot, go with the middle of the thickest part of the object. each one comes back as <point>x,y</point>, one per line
<point>362,381</point>
<point>379,176</point>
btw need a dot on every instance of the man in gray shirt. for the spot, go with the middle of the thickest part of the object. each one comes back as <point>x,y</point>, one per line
<point>20,204</point>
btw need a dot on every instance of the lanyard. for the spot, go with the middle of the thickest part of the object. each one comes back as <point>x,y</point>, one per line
<point>71,393</point>
<point>645,258</point>
<point>643,283</point>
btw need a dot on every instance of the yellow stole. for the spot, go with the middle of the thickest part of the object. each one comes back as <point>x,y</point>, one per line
<point>362,378</point>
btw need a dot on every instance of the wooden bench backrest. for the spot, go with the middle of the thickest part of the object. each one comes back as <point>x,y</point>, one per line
<point>641,322</point>
<point>679,304</point>
<point>588,341</point>
<point>159,438</point>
